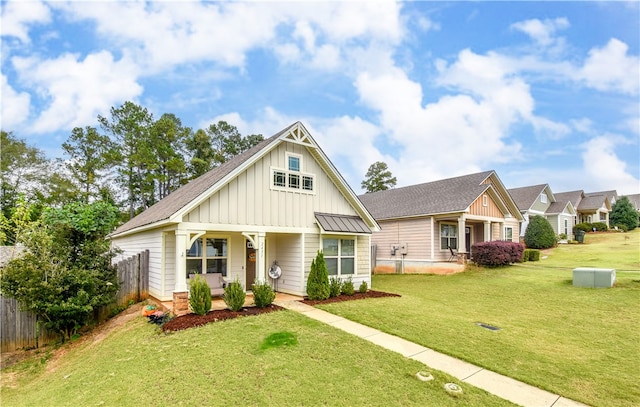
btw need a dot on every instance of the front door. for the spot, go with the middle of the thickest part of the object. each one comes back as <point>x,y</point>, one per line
<point>250,265</point>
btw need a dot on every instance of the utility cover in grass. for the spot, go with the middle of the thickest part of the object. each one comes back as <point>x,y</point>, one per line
<point>490,327</point>
<point>279,339</point>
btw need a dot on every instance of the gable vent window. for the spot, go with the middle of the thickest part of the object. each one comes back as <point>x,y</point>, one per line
<point>292,179</point>
<point>543,197</point>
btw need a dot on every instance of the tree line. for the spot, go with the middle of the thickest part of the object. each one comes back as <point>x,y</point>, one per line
<point>128,158</point>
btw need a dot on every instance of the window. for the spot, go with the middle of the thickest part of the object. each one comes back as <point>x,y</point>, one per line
<point>485,200</point>
<point>339,256</point>
<point>279,179</point>
<point>508,234</point>
<point>292,178</point>
<point>294,163</point>
<point>207,255</point>
<point>566,227</point>
<point>543,197</point>
<point>448,237</point>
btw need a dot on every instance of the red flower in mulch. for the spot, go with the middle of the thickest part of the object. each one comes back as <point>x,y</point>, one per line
<point>356,296</point>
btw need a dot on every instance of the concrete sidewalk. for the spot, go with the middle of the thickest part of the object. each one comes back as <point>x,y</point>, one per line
<point>494,383</point>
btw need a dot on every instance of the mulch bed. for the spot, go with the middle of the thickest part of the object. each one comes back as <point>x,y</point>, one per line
<point>193,320</point>
<point>356,296</point>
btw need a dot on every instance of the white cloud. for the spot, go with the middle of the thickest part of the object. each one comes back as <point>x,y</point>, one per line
<point>604,169</point>
<point>18,15</point>
<point>77,90</point>
<point>611,69</point>
<point>15,106</point>
<point>542,31</point>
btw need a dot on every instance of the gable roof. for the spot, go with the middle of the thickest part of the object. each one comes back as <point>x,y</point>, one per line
<point>171,208</point>
<point>571,196</point>
<point>559,207</point>
<point>612,195</point>
<point>525,197</point>
<point>437,197</point>
<point>593,202</point>
<point>634,200</point>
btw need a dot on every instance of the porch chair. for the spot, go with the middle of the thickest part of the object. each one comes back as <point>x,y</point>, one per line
<point>453,256</point>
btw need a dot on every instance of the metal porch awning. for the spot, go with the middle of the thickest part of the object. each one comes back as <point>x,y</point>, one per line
<point>341,223</point>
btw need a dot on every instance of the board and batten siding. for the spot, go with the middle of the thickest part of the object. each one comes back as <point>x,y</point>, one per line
<point>131,245</point>
<point>490,210</point>
<point>249,199</point>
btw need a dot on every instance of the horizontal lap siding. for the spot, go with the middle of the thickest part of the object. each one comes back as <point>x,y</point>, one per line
<point>139,242</point>
<point>416,233</point>
<point>311,247</point>
<point>169,263</point>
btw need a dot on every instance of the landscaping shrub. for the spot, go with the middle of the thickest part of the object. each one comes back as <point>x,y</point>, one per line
<point>234,296</point>
<point>600,226</point>
<point>539,233</point>
<point>497,253</point>
<point>318,280</point>
<point>335,286</point>
<point>263,294</point>
<point>347,287</point>
<point>363,287</point>
<point>200,296</point>
<point>622,228</point>
<point>531,255</point>
<point>584,226</point>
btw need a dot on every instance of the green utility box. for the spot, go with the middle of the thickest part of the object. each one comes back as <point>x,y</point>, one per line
<point>594,277</point>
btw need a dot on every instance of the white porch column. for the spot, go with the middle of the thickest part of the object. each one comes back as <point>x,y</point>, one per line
<point>261,268</point>
<point>462,244</point>
<point>487,231</point>
<point>182,238</point>
<point>501,224</point>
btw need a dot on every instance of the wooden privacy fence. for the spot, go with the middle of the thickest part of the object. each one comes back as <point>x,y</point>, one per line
<point>18,329</point>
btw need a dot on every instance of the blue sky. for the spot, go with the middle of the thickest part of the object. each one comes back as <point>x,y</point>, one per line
<point>541,92</point>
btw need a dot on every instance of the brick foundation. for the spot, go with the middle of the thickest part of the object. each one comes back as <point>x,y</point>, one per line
<point>181,303</point>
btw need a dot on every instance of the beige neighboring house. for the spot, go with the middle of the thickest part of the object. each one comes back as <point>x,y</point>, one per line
<point>592,207</point>
<point>419,223</point>
<point>276,204</point>
<point>635,202</point>
<point>539,200</point>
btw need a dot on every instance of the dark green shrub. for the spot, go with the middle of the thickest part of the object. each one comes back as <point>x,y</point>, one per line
<point>234,296</point>
<point>600,226</point>
<point>199,296</point>
<point>263,294</point>
<point>584,226</point>
<point>531,255</point>
<point>335,286</point>
<point>318,280</point>
<point>363,287</point>
<point>562,236</point>
<point>497,253</point>
<point>539,233</point>
<point>622,227</point>
<point>623,213</point>
<point>347,287</point>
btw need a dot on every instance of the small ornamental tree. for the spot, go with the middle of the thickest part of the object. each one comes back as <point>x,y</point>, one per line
<point>539,233</point>
<point>318,280</point>
<point>624,213</point>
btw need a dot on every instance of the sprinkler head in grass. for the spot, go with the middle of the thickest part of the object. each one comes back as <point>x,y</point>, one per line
<point>424,376</point>
<point>453,389</point>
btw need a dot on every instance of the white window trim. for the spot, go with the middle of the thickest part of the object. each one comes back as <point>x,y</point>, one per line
<point>455,225</point>
<point>505,233</point>
<point>203,257</point>
<point>543,197</point>
<point>286,188</point>
<point>485,200</point>
<point>339,256</point>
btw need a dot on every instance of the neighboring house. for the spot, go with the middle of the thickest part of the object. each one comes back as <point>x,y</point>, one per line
<point>612,195</point>
<point>420,222</point>
<point>533,200</point>
<point>277,203</point>
<point>539,200</point>
<point>591,208</point>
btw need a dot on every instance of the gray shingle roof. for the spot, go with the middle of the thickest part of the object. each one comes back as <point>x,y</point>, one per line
<point>341,223</point>
<point>525,197</point>
<point>443,196</point>
<point>634,200</point>
<point>181,197</point>
<point>571,196</point>
<point>592,202</point>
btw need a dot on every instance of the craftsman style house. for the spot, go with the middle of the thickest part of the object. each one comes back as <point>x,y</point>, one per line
<point>274,205</point>
<point>425,223</point>
<point>539,200</point>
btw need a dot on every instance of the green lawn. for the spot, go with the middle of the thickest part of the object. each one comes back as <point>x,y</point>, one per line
<point>231,363</point>
<point>581,343</point>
